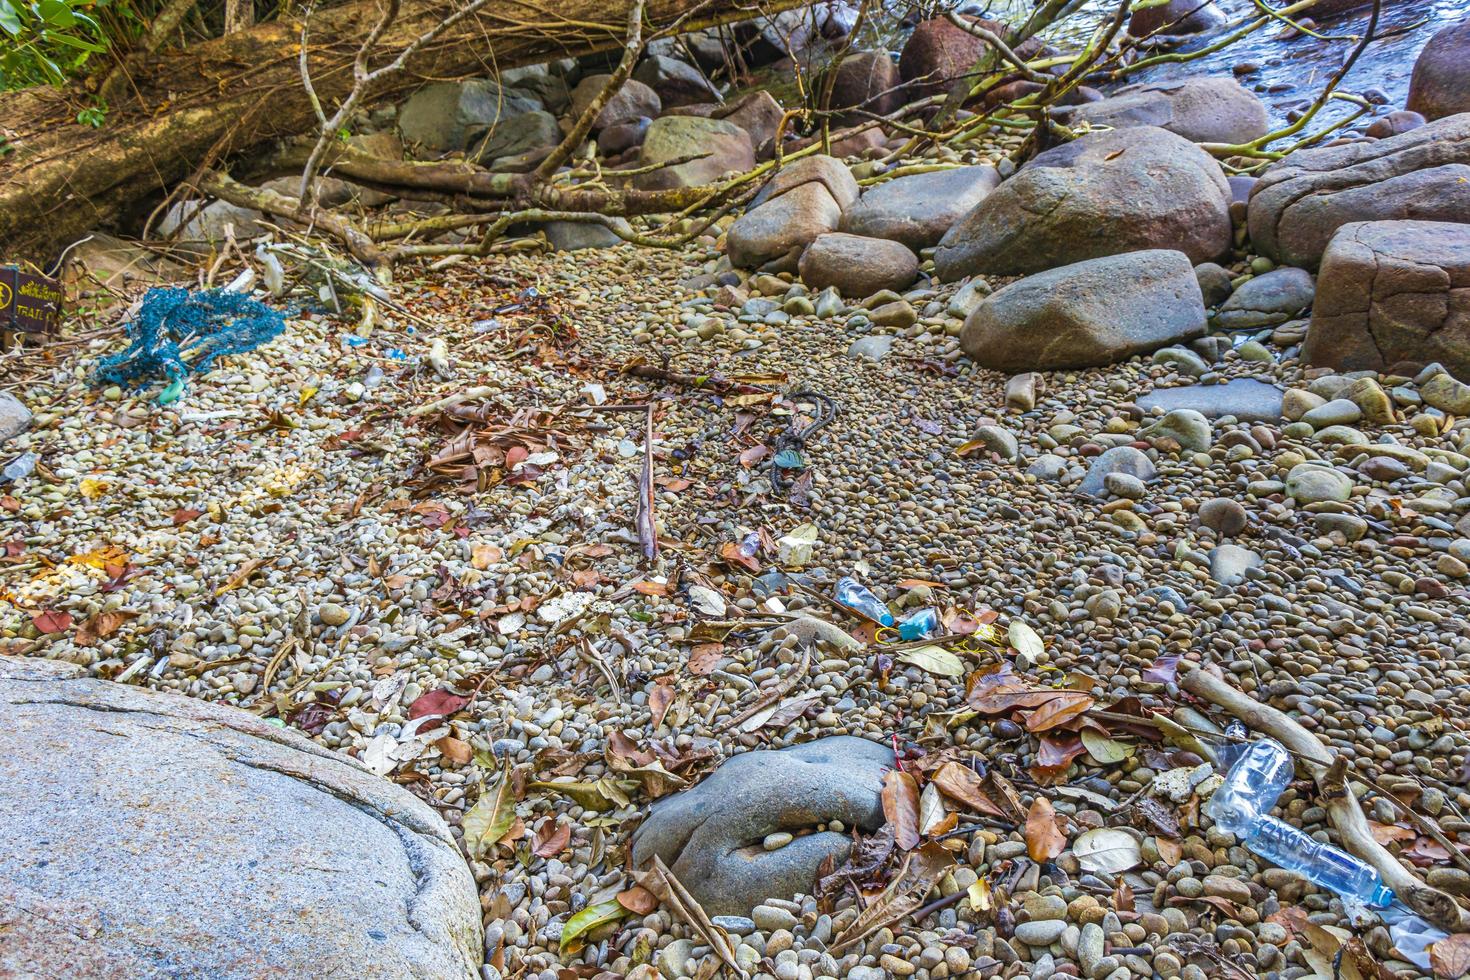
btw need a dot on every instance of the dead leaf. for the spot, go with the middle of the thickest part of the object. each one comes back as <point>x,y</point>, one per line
<point>100,626</point>
<point>1163,670</point>
<point>960,782</point>
<point>51,621</point>
<point>1058,711</point>
<point>184,515</point>
<point>483,556</point>
<point>659,700</point>
<point>638,900</point>
<point>455,751</point>
<point>1386,834</point>
<point>921,870</point>
<point>439,702</point>
<point>242,575</point>
<point>552,837</point>
<point>705,657</point>
<point>1107,849</point>
<point>901,807</point>
<point>1450,957</point>
<point>651,588</point>
<point>1044,839</point>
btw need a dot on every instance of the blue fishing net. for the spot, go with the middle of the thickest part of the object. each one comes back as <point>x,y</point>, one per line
<point>178,332</point>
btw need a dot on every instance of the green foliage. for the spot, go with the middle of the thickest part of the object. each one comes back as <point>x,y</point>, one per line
<point>46,42</point>
<point>94,115</point>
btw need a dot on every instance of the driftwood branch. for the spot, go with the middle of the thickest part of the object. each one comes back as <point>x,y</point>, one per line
<point>1342,806</point>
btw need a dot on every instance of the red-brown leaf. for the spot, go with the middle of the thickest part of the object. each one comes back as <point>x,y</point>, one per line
<point>1044,839</point>
<point>1450,957</point>
<point>638,900</point>
<point>440,702</point>
<point>901,807</point>
<point>184,515</point>
<point>961,783</point>
<point>659,700</point>
<point>52,621</point>
<point>551,838</point>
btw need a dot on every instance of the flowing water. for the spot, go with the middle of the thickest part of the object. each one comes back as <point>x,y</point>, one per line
<point>1291,71</point>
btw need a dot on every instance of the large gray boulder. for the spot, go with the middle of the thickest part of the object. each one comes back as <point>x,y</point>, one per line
<point>1391,292</point>
<point>1301,202</point>
<point>857,266</point>
<point>1202,110</point>
<point>445,116</point>
<point>710,836</point>
<point>675,82</point>
<point>1101,194</point>
<point>918,209</point>
<point>1267,300</point>
<point>1089,314</point>
<point>725,147</point>
<point>519,134</point>
<point>155,836</point>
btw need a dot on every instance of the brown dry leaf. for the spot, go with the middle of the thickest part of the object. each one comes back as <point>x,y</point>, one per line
<point>659,700</point>
<point>922,869</point>
<point>651,588</point>
<point>457,751</point>
<point>1169,850</point>
<point>52,621</point>
<point>705,657</point>
<point>960,782</point>
<point>684,905</point>
<point>184,515</point>
<point>1059,710</point>
<point>491,818</point>
<point>1044,839</point>
<point>730,551</point>
<point>1386,834</point>
<point>100,626</point>
<point>901,808</point>
<point>552,837</point>
<point>1450,957</point>
<point>638,900</point>
<point>243,574</point>
<point>482,556</point>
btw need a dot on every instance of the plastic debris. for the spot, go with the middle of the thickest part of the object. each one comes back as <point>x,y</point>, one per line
<point>1241,806</point>
<point>920,625</point>
<point>178,332</point>
<point>854,595</point>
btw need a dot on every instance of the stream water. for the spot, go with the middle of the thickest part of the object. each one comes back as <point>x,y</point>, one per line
<point>1290,71</point>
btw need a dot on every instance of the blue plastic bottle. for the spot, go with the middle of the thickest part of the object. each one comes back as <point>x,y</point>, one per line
<point>1241,806</point>
<point>852,593</point>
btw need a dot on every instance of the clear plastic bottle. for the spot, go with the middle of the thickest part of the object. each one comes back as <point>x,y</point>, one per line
<point>922,624</point>
<point>852,593</point>
<point>20,467</point>
<point>1241,806</point>
<point>373,378</point>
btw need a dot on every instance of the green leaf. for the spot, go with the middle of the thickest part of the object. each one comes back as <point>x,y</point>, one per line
<point>9,19</point>
<point>588,919</point>
<point>57,13</point>
<point>72,41</point>
<point>491,816</point>
<point>790,459</point>
<point>1106,750</point>
<point>936,660</point>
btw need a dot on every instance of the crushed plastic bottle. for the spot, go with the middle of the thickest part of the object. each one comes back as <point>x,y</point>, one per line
<point>1242,805</point>
<point>373,378</point>
<point>852,593</point>
<point>920,625</point>
<point>20,467</point>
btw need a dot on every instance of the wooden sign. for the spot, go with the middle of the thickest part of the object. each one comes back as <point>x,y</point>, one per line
<point>28,303</point>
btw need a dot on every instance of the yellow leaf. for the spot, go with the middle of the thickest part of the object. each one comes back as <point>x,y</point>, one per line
<point>92,488</point>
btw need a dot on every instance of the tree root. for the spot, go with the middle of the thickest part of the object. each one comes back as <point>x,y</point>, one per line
<point>1342,806</point>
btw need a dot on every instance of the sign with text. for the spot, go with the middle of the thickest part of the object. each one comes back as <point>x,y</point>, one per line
<point>28,303</point>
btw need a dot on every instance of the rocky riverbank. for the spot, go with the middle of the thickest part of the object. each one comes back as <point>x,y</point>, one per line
<point>547,538</point>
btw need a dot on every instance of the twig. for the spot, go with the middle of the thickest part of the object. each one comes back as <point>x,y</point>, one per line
<point>647,527</point>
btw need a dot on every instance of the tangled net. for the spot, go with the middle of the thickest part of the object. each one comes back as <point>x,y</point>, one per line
<point>178,332</point>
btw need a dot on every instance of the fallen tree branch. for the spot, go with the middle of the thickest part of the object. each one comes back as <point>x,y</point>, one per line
<point>1343,809</point>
